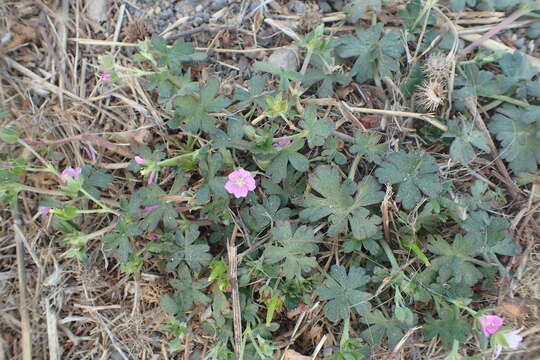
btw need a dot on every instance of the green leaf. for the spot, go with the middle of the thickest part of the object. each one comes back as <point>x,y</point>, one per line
<point>458,5</point>
<point>517,129</point>
<point>517,66</point>
<point>343,292</point>
<point>337,202</point>
<point>416,173</point>
<point>375,52</point>
<point>189,289</point>
<point>380,326</point>
<point>118,242</point>
<point>367,145</point>
<point>259,216</point>
<point>95,181</point>
<point>285,76</point>
<point>288,155</point>
<point>448,328</point>
<point>9,136</point>
<point>318,129</point>
<point>187,249</point>
<point>194,110</point>
<point>209,166</point>
<point>175,56</point>
<point>455,261</point>
<point>159,209</point>
<point>292,247</point>
<point>172,305</point>
<point>491,234</point>
<point>254,93</point>
<point>465,138</point>
<point>327,80</point>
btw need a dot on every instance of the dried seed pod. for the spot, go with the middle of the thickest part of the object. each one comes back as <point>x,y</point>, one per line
<point>431,94</point>
<point>437,67</point>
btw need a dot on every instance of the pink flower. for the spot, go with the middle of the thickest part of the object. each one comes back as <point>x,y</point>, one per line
<point>283,143</point>
<point>105,77</point>
<point>44,210</point>
<point>512,338</point>
<point>139,160</point>
<point>70,174</point>
<point>240,182</point>
<point>491,324</point>
<point>154,235</point>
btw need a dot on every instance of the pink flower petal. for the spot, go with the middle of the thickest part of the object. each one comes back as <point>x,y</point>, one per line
<point>513,339</point>
<point>491,324</point>
<point>240,183</point>
<point>70,173</point>
<point>105,77</point>
<point>139,160</point>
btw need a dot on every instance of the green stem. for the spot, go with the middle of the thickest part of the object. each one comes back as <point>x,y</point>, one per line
<point>174,161</point>
<point>98,211</point>
<point>47,164</point>
<point>354,166</point>
<point>103,206</point>
<point>390,255</point>
<point>307,59</point>
<point>508,99</point>
<point>301,134</point>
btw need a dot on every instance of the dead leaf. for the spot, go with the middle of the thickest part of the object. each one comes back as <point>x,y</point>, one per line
<point>293,355</point>
<point>314,334</point>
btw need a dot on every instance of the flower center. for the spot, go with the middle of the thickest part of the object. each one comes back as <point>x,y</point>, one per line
<point>240,181</point>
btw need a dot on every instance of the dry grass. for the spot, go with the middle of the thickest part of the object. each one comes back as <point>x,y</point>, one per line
<point>90,310</point>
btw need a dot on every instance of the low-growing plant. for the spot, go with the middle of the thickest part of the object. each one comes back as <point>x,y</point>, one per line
<point>309,210</point>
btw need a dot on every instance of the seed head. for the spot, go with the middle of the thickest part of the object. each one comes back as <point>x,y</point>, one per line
<point>437,67</point>
<point>431,94</point>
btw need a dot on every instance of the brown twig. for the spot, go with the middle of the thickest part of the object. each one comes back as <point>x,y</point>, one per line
<point>26,330</point>
<point>233,276</point>
<point>512,188</point>
<point>500,26</point>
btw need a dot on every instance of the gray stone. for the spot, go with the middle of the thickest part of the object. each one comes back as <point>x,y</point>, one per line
<point>286,58</point>
<point>324,6</point>
<point>298,7</point>
<point>338,5</point>
<point>218,5</point>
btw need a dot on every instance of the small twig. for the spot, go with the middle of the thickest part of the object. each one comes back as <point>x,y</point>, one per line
<point>424,117</point>
<point>233,275</point>
<point>26,330</point>
<point>512,188</point>
<point>500,26</point>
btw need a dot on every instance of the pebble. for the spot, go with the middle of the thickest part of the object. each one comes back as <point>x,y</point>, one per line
<point>218,5</point>
<point>285,58</point>
<point>324,6</point>
<point>199,8</point>
<point>297,7</point>
<point>338,5</point>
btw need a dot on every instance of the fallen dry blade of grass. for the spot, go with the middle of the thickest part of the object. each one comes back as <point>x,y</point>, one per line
<point>233,274</point>
<point>26,339</point>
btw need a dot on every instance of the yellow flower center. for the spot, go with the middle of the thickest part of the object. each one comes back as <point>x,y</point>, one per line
<point>240,181</point>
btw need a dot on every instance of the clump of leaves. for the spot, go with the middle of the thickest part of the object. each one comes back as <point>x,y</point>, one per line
<point>518,130</point>
<point>416,174</point>
<point>466,138</point>
<point>194,110</point>
<point>293,246</point>
<point>342,289</point>
<point>344,203</point>
<point>376,52</point>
